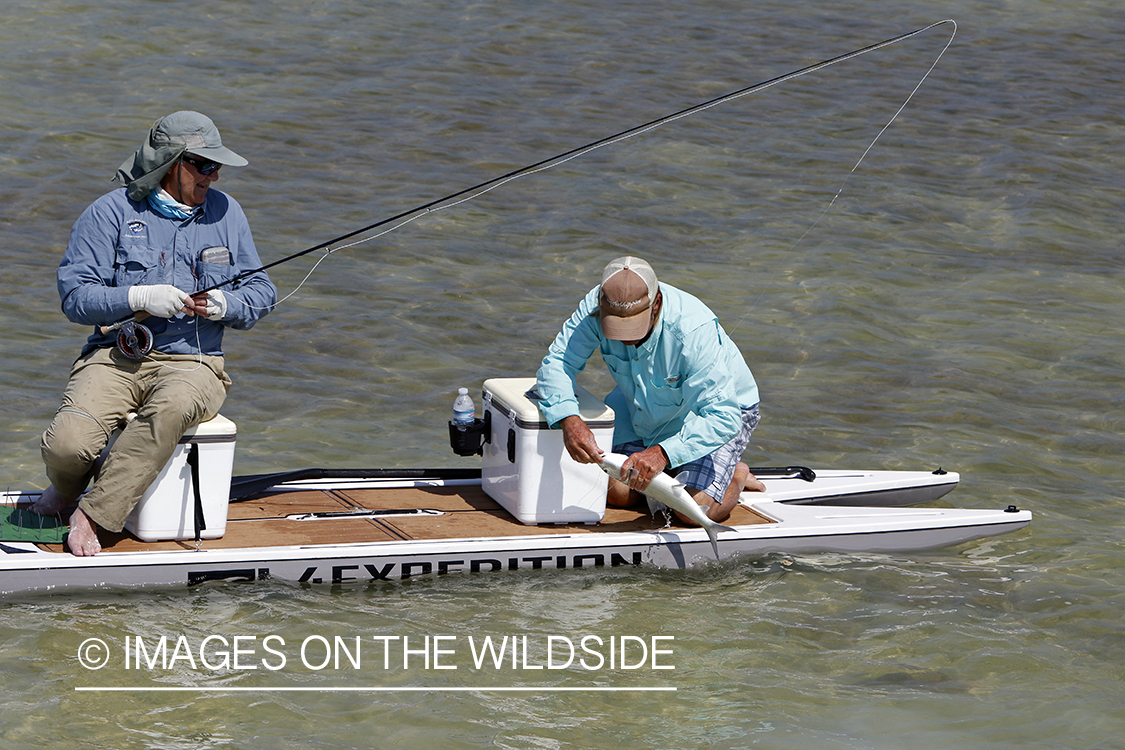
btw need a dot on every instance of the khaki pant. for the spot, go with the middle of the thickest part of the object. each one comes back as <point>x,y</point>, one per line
<point>168,393</point>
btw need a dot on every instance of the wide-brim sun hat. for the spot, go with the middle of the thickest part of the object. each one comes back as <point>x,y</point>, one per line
<point>169,138</point>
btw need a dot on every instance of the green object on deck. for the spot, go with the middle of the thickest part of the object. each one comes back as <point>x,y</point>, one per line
<point>25,525</point>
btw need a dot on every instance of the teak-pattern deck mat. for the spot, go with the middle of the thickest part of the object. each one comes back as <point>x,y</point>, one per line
<point>466,512</point>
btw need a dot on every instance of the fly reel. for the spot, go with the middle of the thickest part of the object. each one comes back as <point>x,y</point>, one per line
<point>134,340</point>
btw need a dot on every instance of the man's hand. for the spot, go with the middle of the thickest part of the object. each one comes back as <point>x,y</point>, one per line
<point>579,441</point>
<point>159,300</point>
<point>211,305</point>
<point>641,467</point>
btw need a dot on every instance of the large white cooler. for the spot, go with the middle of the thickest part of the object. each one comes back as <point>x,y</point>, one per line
<point>167,509</point>
<point>525,465</point>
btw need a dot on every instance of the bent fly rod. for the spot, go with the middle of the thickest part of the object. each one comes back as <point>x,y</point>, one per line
<point>467,194</point>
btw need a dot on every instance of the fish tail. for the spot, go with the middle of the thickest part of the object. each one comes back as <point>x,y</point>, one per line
<point>713,530</point>
<point>712,534</point>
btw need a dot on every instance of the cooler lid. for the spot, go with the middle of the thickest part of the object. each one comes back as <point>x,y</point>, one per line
<point>216,429</point>
<point>519,399</point>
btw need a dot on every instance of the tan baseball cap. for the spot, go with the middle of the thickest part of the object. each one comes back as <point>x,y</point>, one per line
<point>628,290</point>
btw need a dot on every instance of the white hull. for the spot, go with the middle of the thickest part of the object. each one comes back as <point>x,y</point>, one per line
<point>785,526</point>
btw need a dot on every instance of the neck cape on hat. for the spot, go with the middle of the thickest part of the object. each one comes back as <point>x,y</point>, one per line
<point>628,290</point>
<point>169,138</point>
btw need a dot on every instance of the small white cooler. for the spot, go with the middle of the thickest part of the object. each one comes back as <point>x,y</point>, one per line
<point>167,509</point>
<point>525,465</point>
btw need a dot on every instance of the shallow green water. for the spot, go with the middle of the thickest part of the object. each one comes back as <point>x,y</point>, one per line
<point>959,305</point>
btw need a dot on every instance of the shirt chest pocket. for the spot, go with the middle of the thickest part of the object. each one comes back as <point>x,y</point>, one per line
<point>666,391</point>
<point>617,365</point>
<point>136,263</point>
<point>214,266</point>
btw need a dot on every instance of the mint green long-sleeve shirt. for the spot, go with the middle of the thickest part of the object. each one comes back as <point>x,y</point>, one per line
<point>684,387</point>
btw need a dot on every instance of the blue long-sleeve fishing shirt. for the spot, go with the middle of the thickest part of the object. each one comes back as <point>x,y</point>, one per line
<point>684,387</point>
<point>118,243</point>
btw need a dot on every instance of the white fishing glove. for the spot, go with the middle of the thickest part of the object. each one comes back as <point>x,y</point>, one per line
<point>216,305</point>
<point>158,300</point>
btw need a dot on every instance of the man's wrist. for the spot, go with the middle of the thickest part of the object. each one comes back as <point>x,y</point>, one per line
<point>567,420</point>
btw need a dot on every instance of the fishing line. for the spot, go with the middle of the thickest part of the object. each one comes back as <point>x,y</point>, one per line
<point>469,193</point>
<point>146,352</point>
<point>854,167</point>
<point>863,156</point>
<point>787,77</point>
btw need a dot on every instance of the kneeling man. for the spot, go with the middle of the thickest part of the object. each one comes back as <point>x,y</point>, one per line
<point>685,399</point>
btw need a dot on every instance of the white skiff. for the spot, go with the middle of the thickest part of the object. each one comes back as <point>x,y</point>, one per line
<point>388,525</point>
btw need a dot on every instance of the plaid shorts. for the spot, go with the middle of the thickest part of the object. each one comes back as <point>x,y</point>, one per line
<point>711,473</point>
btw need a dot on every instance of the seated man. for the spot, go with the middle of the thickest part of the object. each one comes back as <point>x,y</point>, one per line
<point>684,398</point>
<point>144,249</point>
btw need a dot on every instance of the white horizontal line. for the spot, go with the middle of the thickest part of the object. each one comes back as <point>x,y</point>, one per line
<point>166,689</point>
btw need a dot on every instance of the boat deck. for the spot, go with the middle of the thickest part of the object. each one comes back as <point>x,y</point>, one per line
<point>356,516</point>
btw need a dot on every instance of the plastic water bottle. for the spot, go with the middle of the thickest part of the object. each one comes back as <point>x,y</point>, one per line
<point>463,409</point>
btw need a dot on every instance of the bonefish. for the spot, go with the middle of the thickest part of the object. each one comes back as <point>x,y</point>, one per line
<point>667,490</point>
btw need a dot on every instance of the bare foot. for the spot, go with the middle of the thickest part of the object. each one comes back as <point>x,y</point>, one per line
<point>51,503</point>
<point>752,484</point>
<point>83,537</point>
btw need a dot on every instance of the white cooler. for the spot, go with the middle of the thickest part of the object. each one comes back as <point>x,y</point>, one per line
<point>167,509</point>
<point>525,465</point>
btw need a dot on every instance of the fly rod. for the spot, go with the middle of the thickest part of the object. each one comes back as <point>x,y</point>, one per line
<point>469,193</point>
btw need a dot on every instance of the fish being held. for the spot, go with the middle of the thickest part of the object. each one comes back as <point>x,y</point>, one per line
<point>667,490</point>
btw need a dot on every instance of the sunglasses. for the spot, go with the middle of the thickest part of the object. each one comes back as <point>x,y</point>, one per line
<point>203,166</point>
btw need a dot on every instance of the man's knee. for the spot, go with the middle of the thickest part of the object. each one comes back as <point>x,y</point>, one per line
<point>70,447</point>
<point>619,495</point>
<point>72,442</point>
